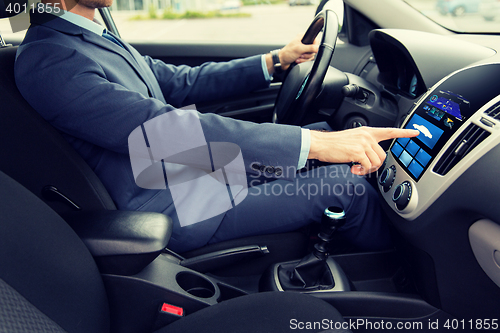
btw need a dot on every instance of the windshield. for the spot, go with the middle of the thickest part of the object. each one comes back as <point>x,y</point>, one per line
<point>461,15</point>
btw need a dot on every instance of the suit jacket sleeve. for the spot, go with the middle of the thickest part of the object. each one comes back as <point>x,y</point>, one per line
<point>71,90</point>
<point>184,85</point>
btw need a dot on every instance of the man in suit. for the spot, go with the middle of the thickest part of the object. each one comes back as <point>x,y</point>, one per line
<point>96,89</point>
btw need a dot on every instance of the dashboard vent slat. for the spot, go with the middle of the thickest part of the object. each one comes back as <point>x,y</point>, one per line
<point>494,111</point>
<point>472,136</point>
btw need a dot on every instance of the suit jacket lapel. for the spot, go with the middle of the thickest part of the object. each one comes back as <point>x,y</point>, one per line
<point>126,53</point>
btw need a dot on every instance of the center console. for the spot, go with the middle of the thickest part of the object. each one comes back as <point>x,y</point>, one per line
<point>149,287</point>
<point>456,120</point>
<point>162,283</point>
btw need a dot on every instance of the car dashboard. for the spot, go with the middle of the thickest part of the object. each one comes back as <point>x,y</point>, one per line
<point>455,132</point>
<point>439,189</point>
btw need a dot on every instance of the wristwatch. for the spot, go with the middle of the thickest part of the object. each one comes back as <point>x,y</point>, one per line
<point>276,61</point>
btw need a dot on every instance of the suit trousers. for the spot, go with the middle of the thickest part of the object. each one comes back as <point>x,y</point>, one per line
<point>276,206</point>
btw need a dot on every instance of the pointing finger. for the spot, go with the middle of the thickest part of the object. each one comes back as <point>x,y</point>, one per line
<point>381,134</point>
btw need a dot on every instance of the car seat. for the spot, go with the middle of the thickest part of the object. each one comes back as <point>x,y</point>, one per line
<point>49,282</point>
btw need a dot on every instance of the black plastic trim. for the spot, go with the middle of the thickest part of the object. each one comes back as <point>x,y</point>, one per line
<point>122,242</point>
<point>377,304</point>
<point>215,260</point>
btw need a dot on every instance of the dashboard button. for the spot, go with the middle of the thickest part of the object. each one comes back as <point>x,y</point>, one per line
<point>387,177</point>
<point>402,195</point>
<point>396,149</point>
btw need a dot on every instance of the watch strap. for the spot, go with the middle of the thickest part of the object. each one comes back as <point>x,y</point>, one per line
<point>276,60</point>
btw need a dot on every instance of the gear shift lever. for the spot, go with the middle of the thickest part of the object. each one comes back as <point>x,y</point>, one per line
<point>312,272</point>
<point>333,218</point>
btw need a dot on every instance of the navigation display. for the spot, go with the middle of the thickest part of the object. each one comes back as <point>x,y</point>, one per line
<point>447,103</point>
<point>437,118</point>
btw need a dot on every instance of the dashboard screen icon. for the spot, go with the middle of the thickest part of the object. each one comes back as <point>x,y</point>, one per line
<point>429,133</point>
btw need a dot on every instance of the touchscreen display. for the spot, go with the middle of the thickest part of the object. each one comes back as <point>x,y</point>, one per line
<point>436,119</point>
<point>442,113</point>
<point>447,103</point>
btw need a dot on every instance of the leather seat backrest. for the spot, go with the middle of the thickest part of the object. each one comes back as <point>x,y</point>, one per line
<point>37,156</point>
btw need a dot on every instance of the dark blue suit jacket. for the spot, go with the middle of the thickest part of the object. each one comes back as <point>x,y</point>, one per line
<point>96,93</point>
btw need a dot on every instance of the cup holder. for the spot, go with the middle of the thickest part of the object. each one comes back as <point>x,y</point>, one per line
<point>195,285</point>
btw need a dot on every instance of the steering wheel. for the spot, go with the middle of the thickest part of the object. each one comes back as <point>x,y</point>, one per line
<point>303,82</point>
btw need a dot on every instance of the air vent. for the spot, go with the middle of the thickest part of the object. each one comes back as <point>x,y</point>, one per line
<point>468,140</point>
<point>494,111</point>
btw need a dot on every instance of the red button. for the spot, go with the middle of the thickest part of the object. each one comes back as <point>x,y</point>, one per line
<point>175,310</point>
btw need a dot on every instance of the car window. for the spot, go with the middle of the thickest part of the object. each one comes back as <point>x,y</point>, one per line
<point>234,21</point>
<point>14,31</point>
<point>461,15</point>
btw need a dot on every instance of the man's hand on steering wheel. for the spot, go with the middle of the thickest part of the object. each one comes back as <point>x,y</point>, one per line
<point>295,51</point>
<point>303,82</point>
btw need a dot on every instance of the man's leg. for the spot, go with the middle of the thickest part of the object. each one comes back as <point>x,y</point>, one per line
<point>282,206</point>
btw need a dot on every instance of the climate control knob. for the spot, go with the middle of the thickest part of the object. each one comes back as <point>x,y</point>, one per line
<point>402,195</point>
<point>387,177</point>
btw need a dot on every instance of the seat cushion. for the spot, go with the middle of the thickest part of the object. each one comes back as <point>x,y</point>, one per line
<point>17,315</point>
<point>272,312</point>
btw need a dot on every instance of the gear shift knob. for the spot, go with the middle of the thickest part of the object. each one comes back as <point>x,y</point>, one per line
<point>333,218</point>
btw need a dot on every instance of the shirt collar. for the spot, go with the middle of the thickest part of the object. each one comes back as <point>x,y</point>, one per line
<point>81,22</point>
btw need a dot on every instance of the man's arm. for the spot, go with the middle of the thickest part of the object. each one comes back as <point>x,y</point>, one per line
<point>183,85</point>
<point>359,145</point>
<point>80,101</point>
